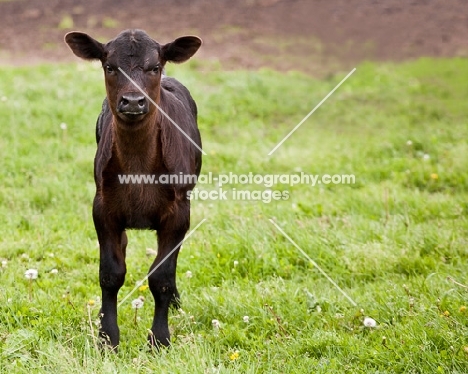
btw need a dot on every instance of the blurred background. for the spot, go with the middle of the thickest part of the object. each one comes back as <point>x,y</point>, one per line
<point>314,36</point>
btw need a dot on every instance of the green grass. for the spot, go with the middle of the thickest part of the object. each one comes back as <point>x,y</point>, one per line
<point>390,240</point>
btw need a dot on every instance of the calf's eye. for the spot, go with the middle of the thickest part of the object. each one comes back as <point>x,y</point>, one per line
<point>155,70</point>
<point>109,69</point>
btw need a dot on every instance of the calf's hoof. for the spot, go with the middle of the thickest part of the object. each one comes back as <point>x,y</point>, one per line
<point>105,343</point>
<point>158,342</point>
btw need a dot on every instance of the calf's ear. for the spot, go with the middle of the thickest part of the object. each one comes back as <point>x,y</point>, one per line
<point>181,49</point>
<point>84,46</point>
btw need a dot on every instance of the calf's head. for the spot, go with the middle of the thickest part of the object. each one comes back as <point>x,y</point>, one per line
<point>134,53</point>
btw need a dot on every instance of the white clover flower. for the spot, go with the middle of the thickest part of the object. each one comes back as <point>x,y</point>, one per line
<point>236,263</point>
<point>4,98</point>
<point>188,274</point>
<point>4,263</point>
<point>370,322</point>
<point>31,274</point>
<point>137,303</point>
<point>151,252</point>
<point>409,142</point>
<point>63,126</point>
<point>426,156</point>
<point>245,319</point>
<point>216,324</point>
<point>54,271</point>
<point>25,256</point>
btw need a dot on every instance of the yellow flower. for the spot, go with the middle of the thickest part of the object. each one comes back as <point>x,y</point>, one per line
<point>91,302</point>
<point>434,176</point>
<point>234,356</point>
<point>143,288</point>
<point>463,309</point>
<point>446,313</point>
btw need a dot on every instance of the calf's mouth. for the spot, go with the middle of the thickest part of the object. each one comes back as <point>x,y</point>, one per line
<point>132,106</point>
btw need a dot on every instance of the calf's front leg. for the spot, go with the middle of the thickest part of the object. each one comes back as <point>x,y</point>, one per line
<point>112,269</point>
<point>162,281</point>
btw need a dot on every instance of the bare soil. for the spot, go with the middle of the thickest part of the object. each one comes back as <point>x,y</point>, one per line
<point>316,36</point>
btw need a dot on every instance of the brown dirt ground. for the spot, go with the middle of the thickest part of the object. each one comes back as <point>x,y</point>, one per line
<point>316,36</point>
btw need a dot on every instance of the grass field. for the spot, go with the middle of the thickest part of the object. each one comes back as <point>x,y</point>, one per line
<point>389,241</point>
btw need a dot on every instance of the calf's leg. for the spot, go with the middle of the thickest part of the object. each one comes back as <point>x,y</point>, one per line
<point>162,281</point>
<point>112,271</point>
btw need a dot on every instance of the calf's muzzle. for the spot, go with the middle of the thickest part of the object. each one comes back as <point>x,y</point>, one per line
<point>133,105</point>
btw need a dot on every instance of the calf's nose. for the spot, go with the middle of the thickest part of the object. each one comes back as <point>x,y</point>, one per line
<point>133,102</point>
